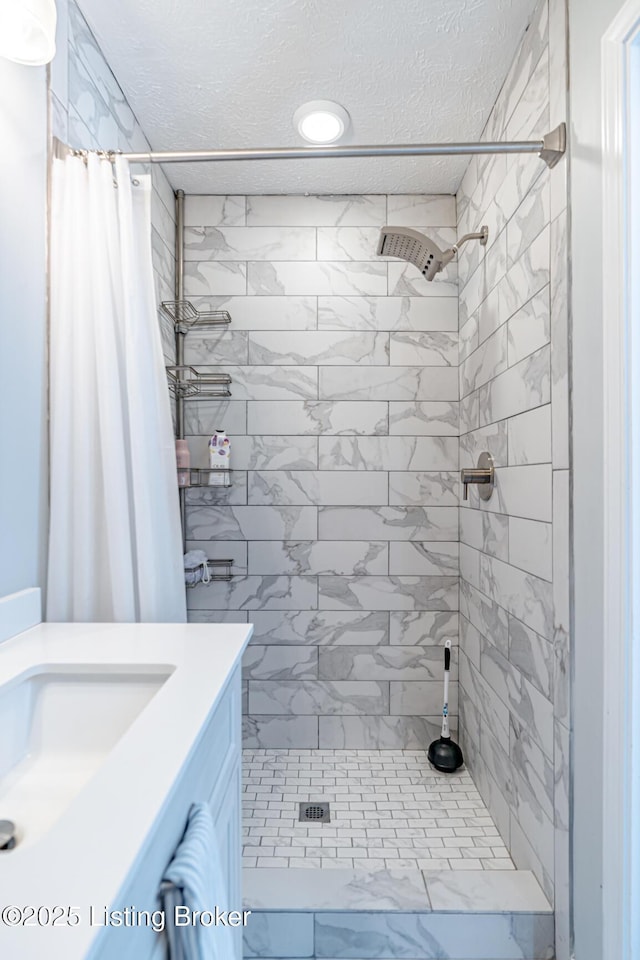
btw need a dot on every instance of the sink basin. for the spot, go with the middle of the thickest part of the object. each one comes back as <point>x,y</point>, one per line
<point>57,725</point>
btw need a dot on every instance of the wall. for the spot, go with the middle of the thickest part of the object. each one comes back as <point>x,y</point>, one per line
<point>588,21</point>
<point>343,515</point>
<point>23,180</point>
<point>90,111</point>
<point>514,601</point>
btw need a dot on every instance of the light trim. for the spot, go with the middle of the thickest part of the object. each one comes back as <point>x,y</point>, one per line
<point>28,31</point>
<point>321,121</point>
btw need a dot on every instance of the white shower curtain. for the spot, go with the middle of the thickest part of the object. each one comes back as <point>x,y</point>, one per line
<point>115,547</point>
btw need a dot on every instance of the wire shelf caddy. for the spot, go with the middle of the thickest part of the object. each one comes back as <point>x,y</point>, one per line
<point>188,383</point>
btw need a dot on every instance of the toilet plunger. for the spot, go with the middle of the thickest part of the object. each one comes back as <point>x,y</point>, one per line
<point>444,753</point>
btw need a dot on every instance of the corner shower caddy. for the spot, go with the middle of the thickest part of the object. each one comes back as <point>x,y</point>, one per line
<point>188,383</point>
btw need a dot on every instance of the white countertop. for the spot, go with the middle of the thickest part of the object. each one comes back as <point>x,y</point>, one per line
<point>86,856</point>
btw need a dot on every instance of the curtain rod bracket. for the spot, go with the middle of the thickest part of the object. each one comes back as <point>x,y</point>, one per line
<point>554,145</point>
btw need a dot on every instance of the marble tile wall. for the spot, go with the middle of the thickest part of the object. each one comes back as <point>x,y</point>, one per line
<point>514,571</point>
<point>343,515</point>
<point>89,110</point>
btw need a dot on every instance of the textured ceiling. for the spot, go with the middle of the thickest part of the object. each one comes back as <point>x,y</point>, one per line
<point>207,73</point>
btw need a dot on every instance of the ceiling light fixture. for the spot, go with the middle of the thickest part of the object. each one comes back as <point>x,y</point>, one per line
<point>28,31</point>
<point>321,121</point>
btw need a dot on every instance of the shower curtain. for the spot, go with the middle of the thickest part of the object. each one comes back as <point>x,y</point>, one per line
<point>115,546</point>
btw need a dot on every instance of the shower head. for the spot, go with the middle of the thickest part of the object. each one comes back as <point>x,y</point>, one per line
<point>423,253</point>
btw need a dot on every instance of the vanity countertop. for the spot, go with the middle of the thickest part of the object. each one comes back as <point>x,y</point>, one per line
<point>86,855</point>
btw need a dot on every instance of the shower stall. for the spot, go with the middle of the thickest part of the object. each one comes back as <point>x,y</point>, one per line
<point>360,386</point>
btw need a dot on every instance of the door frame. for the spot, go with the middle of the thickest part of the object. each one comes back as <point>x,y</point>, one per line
<point>621,373</point>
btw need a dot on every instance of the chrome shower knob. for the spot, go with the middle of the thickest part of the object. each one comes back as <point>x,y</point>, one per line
<point>483,475</point>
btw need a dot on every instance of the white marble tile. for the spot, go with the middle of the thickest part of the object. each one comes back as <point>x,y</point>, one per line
<point>263,313</point>
<point>423,627</point>
<point>388,593</point>
<point>485,531</point>
<point>485,363</point>
<point>255,452</point>
<point>423,418</point>
<point>206,416</point>
<point>321,697</point>
<point>521,387</point>
<point>522,594</point>
<point>476,891</point>
<point>529,436</point>
<point>470,565</point>
<point>347,243</point>
<point>388,313</point>
<point>318,417</point>
<point>529,329</point>
<point>490,707</point>
<point>396,662</point>
<point>407,488</point>
<point>319,347</point>
<point>270,382</point>
<point>431,349</point>
<point>529,219</point>
<point>256,593</point>
<point>274,731</point>
<point>316,211</point>
<point>410,698</point>
<point>405,280</point>
<point>252,523</point>
<point>279,663</point>
<point>279,935</point>
<point>474,937</point>
<point>486,615</point>
<point>377,732</point>
<point>530,546</point>
<point>521,492</point>
<point>413,210</point>
<point>492,438</point>
<point>222,279</point>
<point>284,278</point>
<point>323,487</point>
<point>214,211</point>
<point>249,243</point>
<point>321,627</point>
<point>230,347</point>
<point>530,117</point>
<point>298,889</point>
<point>423,559</point>
<point>313,557</point>
<point>532,655</point>
<point>388,523</point>
<point>387,453</point>
<point>391,383</point>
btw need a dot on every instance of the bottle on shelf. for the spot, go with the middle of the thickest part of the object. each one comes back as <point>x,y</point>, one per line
<point>183,462</point>
<point>219,459</point>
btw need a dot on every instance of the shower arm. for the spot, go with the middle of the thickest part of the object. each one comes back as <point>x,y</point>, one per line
<point>482,235</point>
<point>550,149</point>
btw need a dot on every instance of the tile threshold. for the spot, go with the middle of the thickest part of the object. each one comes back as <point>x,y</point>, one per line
<point>401,891</point>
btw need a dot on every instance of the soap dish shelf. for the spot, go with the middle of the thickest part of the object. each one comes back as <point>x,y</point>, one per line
<point>187,382</point>
<point>184,316</point>
<point>199,477</point>
<point>219,571</point>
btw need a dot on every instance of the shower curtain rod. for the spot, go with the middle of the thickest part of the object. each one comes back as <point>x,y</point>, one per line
<point>550,149</point>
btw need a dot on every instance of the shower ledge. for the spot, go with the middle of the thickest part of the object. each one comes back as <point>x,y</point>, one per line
<point>475,914</point>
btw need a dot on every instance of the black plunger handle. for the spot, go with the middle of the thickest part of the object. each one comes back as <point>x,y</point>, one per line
<point>447,658</point>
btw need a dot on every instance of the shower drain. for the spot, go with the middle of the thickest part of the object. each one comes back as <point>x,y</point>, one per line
<point>314,812</point>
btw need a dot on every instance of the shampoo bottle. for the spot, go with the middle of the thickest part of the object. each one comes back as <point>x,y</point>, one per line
<point>183,462</point>
<point>219,459</point>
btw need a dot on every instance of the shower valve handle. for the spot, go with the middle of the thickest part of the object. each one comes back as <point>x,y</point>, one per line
<point>482,474</point>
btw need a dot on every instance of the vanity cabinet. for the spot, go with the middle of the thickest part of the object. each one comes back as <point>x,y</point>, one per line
<point>212,773</point>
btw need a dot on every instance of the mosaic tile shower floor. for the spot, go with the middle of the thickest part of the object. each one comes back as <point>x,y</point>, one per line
<point>389,809</point>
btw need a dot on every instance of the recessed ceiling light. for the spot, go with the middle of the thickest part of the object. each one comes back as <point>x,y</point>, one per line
<point>321,121</point>
<point>28,31</point>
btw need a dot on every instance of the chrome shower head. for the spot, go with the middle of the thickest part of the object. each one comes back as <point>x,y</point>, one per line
<point>423,253</point>
<point>410,245</point>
